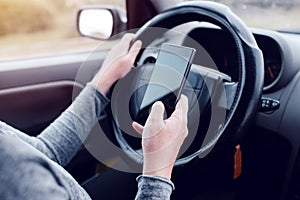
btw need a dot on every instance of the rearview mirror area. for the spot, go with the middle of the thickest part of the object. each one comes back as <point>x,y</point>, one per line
<point>101,22</point>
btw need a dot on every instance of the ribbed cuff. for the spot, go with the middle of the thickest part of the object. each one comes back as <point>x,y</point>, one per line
<point>156,178</point>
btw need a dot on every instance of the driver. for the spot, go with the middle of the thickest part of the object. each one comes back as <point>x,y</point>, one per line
<point>32,167</point>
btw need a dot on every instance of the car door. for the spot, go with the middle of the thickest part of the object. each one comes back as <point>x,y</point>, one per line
<point>34,91</point>
<point>39,63</point>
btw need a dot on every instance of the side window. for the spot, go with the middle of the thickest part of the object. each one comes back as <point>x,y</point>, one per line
<point>43,27</point>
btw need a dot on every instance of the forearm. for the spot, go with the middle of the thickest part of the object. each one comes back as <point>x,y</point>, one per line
<point>154,187</point>
<point>26,173</point>
<point>64,137</point>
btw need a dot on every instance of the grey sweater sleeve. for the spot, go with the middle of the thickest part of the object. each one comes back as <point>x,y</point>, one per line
<point>154,188</point>
<point>26,173</point>
<point>64,137</point>
<point>60,142</point>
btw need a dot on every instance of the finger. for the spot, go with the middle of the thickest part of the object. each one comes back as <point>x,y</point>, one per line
<point>135,49</point>
<point>127,37</point>
<point>131,55</point>
<point>124,43</point>
<point>138,128</point>
<point>157,112</point>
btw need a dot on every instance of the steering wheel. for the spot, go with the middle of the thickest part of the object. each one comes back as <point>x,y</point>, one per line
<point>247,88</point>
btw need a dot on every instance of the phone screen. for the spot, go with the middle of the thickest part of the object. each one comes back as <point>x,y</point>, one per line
<point>168,76</point>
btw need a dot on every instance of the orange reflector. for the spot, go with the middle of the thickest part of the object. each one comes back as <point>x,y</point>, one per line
<point>237,162</point>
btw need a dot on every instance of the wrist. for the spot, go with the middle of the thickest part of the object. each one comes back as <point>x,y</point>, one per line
<point>103,85</point>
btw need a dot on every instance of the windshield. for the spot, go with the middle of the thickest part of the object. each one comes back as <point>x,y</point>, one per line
<point>280,15</point>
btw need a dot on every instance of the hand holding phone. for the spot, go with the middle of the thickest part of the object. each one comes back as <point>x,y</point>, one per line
<point>168,76</point>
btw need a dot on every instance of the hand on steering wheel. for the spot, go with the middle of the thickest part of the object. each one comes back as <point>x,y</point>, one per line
<point>117,63</point>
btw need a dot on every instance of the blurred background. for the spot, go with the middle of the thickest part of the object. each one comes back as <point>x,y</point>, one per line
<point>43,27</point>
<point>38,27</point>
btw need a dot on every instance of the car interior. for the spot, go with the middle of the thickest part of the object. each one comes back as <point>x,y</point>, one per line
<point>243,91</point>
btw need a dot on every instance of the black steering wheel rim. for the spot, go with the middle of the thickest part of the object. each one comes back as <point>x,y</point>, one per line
<point>250,67</point>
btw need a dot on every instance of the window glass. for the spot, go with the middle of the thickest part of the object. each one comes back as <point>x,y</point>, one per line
<point>43,27</point>
<point>280,15</point>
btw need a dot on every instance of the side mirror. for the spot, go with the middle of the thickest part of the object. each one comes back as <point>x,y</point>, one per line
<point>101,22</point>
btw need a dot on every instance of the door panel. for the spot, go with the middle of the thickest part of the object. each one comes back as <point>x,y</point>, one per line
<point>32,108</point>
<point>48,69</point>
<point>33,92</point>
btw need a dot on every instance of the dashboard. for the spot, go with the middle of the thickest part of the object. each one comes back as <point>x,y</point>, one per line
<point>220,47</point>
<point>279,51</point>
<point>216,49</point>
<point>272,59</point>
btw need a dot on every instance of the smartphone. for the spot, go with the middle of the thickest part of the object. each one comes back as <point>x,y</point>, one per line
<point>168,77</point>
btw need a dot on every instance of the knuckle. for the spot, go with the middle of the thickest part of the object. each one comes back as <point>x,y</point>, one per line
<point>186,131</point>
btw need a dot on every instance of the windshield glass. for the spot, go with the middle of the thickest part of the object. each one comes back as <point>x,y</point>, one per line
<point>281,15</point>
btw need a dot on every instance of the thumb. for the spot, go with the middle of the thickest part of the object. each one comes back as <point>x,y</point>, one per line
<point>138,128</point>
<point>157,113</point>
